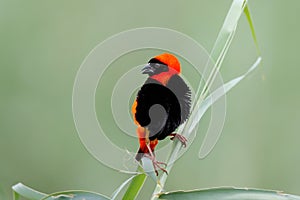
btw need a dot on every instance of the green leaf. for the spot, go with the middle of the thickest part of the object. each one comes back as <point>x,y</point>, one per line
<point>229,194</point>
<point>228,27</point>
<point>248,15</point>
<point>219,51</point>
<point>75,195</point>
<point>21,190</point>
<point>135,186</point>
<point>222,43</point>
<point>119,189</point>
<point>206,146</point>
<point>214,96</point>
<point>149,169</point>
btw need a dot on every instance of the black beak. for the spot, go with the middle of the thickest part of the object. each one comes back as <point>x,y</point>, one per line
<point>148,69</point>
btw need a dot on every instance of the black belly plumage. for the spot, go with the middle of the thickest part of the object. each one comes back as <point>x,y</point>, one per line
<point>163,108</point>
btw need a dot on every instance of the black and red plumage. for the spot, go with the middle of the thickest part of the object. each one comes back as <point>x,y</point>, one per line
<point>162,104</point>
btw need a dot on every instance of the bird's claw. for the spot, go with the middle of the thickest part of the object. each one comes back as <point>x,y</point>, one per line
<point>157,164</point>
<point>181,138</point>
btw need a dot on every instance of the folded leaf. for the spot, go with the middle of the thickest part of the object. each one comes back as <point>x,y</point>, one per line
<point>229,194</point>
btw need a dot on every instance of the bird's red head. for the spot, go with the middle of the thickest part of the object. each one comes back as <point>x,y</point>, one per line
<point>170,60</point>
<point>162,67</point>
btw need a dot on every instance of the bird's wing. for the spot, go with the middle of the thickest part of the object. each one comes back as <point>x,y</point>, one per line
<point>183,93</point>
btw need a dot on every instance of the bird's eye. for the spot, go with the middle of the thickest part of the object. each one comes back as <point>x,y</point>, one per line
<point>157,65</point>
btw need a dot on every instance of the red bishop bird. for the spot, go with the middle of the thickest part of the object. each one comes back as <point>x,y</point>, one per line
<point>162,104</point>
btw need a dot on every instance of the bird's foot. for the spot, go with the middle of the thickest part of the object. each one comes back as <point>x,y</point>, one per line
<point>181,138</point>
<point>157,164</point>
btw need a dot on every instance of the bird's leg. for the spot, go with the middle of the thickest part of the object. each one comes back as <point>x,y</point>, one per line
<point>181,138</point>
<point>147,135</point>
<point>151,156</point>
<point>156,164</point>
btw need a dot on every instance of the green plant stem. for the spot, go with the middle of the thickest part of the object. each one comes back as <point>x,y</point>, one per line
<point>219,51</point>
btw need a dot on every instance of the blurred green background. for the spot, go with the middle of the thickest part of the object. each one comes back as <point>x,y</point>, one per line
<point>43,43</point>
